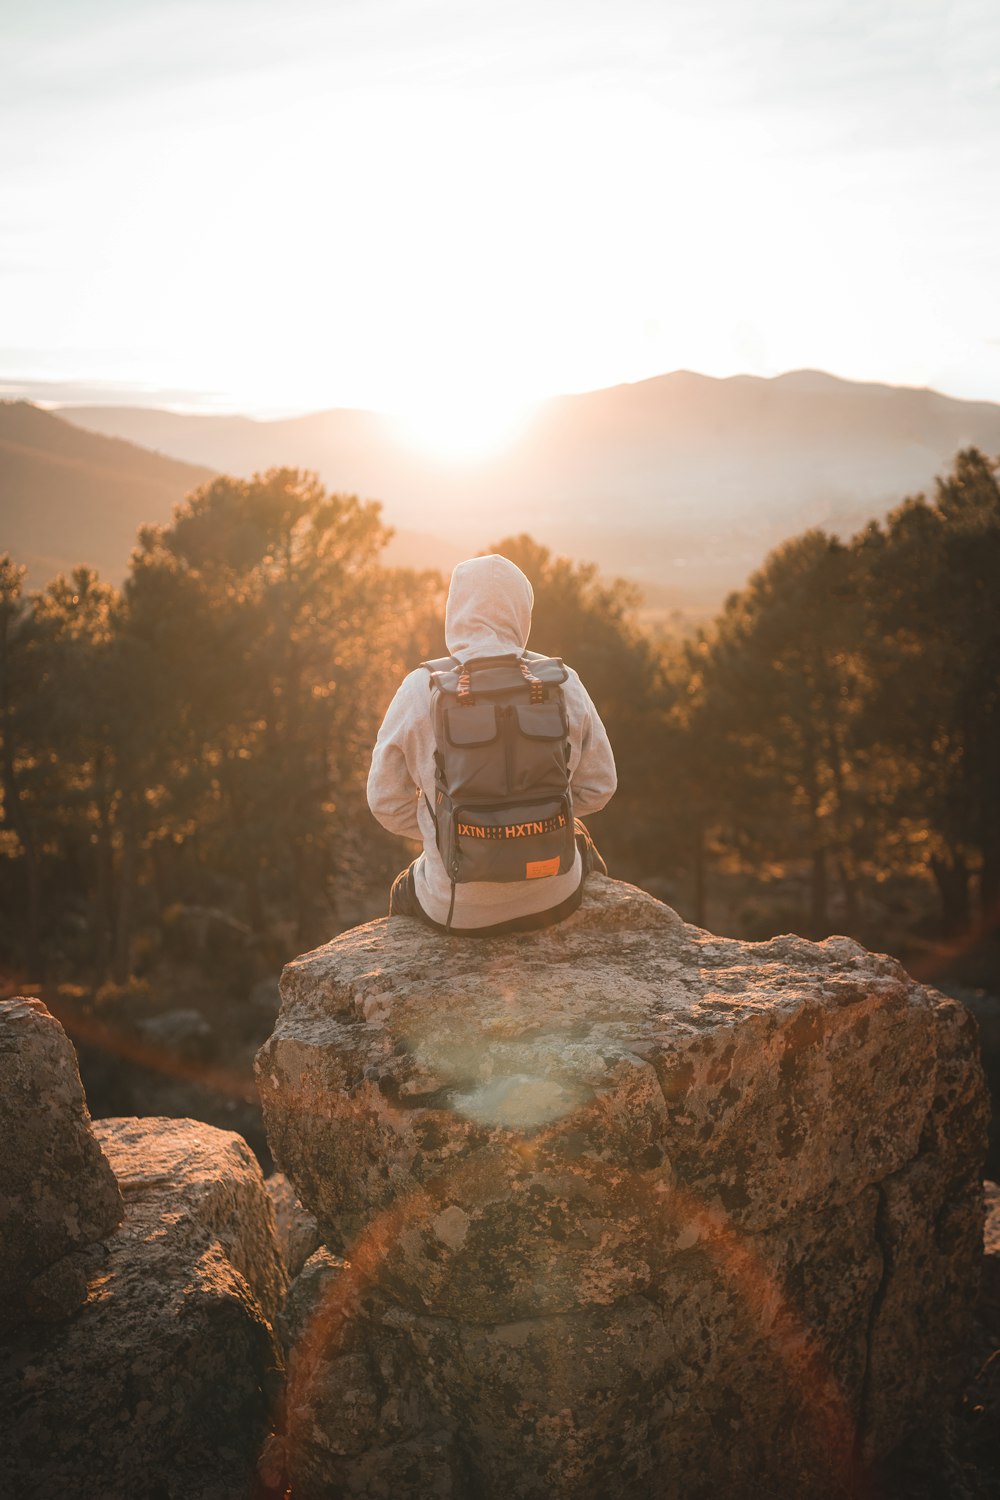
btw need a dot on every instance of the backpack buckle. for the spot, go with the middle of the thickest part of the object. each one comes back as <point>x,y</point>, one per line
<point>536,685</point>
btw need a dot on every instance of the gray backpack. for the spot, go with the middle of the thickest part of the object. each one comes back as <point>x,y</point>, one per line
<point>503,808</point>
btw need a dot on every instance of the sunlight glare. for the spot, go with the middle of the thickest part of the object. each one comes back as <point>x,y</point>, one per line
<point>462,426</point>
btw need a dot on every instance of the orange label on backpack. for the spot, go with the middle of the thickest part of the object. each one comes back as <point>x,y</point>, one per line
<point>536,868</point>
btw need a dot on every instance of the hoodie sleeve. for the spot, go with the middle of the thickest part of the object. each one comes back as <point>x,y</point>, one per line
<point>594,779</point>
<point>392,781</point>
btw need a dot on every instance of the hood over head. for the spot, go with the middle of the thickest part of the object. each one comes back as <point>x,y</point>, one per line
<point>489,608</point>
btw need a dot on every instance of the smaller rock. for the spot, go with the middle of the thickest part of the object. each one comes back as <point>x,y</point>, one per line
<point>164,1380</point>
<point>210,1183</point>
<point>991,1230</point>
<point>57,1190</point>
<point>298,1232</point>
<point>359,1421</point>
<point>59,1291</point>
<point>315,1282</point>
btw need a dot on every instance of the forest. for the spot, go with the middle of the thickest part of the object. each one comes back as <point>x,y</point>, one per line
<point>184,759</point>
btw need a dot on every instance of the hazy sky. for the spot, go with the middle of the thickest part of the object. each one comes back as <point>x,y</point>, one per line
<point>446,207</point>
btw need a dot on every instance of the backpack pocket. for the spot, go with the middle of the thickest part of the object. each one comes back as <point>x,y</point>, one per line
<point>541,750</point>
<point>476,754</point>
<point>527,841</point>
<point>472,724</point>
<point>541,721</point>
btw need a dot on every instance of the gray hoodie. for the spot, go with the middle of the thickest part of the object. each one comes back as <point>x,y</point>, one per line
<point>488,614</point>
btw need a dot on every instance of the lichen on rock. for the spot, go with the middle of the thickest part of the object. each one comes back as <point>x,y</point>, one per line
<point>614,1189</point>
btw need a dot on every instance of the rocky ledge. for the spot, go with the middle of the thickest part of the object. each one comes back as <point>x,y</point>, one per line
<point>140,1359</point>
<point>159,1385</point>
<point>620,1208</point>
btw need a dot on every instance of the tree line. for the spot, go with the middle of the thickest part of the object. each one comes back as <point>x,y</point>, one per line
<point>201,737</point>
<point>844,709</point>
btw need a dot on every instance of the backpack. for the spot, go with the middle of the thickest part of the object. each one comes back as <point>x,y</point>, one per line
<point>502,805</point>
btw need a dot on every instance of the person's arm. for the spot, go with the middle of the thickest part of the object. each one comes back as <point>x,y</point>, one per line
<point>594,778</point>
<point>392,784</point>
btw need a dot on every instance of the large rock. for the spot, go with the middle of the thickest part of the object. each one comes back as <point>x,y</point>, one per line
<point>620,1189</point>
<point>58,1194</point>
<point>162,1384</point>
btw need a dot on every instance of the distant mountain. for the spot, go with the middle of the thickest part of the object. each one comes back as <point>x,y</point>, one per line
<point>682,482</point>
<point>69,496</point>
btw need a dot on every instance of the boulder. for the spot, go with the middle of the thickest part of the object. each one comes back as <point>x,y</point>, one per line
<point>616,1190</point>
<point>58,1194</point>
<point>297,1230</point>
<point>164,1380</point>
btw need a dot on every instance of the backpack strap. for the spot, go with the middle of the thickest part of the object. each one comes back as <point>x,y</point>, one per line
<point>434,665</point>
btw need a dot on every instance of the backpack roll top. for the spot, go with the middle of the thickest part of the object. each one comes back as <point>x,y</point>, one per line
<point>496,674</point>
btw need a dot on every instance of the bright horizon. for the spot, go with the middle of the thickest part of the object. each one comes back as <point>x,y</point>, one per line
<point>449,214</point>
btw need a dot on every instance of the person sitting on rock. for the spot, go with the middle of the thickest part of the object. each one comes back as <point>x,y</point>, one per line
<point>487,755</point>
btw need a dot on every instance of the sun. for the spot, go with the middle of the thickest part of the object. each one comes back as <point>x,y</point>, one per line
<point>462,427</point>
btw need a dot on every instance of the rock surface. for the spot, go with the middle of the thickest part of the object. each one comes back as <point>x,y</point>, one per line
<point>297,1230</point>
<point>360,1418</point>
<point>160,1385</point>
<point>991,1228</point>
<point>57,1191</point>
<point>612,1190</point>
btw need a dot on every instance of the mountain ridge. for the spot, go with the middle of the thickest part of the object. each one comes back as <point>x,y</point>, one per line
<point>804,377</point>
<point>68,496</point>
<point>681,481</point>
